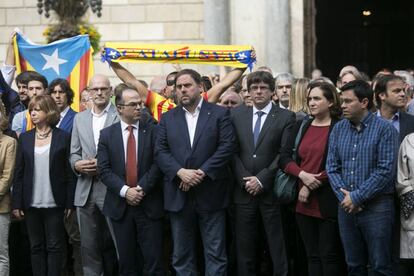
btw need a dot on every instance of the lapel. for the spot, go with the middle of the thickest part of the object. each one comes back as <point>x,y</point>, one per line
<point>142,139</point>
<point>247,119</point>
<point>119,142</point>
<point>53,146</point>
<point>181,125</point>
<point>111,116</point>
<point>268,122</point>
<point>31,144</point>
<point>88,129</point>
<point>203,117</point>
<point>66,120</point>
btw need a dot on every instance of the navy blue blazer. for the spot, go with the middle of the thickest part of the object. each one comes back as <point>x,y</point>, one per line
<point>67,121</point>
<point>111,167</point>
<point>213,147</point>
<point>61,176</point>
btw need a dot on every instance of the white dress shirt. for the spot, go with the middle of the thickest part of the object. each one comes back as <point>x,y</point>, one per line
<point>98,122</point>
<point>266,111</point>
<point>192,119</point>
<point>125,135</point>
<point>62,115</point>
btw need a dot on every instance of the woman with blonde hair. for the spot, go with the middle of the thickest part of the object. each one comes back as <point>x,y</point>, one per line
<point>8,147</point>
<point>43,188</point>
<point>297,101</point>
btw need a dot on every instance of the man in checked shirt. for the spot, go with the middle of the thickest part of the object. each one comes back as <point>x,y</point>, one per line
<point>361,167</point>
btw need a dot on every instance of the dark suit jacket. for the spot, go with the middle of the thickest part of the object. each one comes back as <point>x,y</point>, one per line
<point>111,166</point>
<point>261,161</point>
<point>67,121</point>
<point>328,203</point>
<point>212,149</point>
<point>406,124</point>
<point>61,175</point>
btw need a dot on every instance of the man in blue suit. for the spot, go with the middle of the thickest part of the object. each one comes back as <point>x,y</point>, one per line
<point>62,94</point>
<point>195,142</point>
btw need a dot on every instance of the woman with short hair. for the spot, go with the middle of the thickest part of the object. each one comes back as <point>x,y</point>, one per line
<point>44,185</point>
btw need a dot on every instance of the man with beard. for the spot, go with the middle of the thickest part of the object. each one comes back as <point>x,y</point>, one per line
<point>195,142</point>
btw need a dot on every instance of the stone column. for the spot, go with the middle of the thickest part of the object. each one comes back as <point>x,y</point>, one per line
<point>216,24</point>
<point>277,35</point>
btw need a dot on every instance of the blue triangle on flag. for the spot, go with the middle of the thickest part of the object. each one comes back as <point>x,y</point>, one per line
<point>54,60</point>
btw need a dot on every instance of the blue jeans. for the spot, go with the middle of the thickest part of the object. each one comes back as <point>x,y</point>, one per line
<point>212,229</point>
<point>367,237</point>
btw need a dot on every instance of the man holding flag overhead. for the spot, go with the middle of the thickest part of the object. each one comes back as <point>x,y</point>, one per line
<point>69,58</point>
<point>239,57</point>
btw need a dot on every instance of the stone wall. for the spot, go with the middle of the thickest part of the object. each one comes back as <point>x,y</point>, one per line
<point>173,21</point>
<point>146,21</point>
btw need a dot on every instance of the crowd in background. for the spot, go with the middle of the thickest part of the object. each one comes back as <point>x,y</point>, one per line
<point>177,177</point>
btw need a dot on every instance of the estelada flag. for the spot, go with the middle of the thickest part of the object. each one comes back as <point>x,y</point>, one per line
<point>69,58</point>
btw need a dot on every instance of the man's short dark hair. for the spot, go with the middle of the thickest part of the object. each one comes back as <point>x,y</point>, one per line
<point>119,91</point>
<point>362,90</point>
<point>381,86</point>
<point>261,76</point>
<point>193,74</point>
<point>34,76</point>
<point>65,86</point>
<point>24,77</point>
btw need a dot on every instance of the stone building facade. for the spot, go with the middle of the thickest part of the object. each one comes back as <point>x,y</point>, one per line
<point>274,28</point>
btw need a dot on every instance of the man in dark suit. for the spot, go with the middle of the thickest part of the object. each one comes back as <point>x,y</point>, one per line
<point>262,133</point>
<point>134,198</point>
<point>391,100</point>
<point>195,142</point>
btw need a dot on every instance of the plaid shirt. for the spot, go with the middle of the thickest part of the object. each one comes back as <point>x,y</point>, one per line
<point>362,162</point>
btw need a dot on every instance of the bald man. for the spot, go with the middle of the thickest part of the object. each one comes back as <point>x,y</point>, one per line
<point>98,251</point>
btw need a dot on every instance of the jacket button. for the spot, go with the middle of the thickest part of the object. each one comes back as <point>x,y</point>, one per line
<point>254,155</point>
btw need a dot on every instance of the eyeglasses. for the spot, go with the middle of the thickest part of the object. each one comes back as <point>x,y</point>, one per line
<point>102,89</point>
<point>170,82</point>
<point>134,105</point>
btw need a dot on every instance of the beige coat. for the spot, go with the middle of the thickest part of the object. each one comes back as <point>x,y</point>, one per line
<point>405,184</point>
<point>8,147</point>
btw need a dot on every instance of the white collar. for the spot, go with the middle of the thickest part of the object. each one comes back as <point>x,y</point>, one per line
<point>266,109</point>
<point>124,125</point>
<point>103,112</point>
<point>198,108</point>
<point>64,112</point>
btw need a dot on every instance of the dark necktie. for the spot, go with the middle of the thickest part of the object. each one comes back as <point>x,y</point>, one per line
<point>131,162</point>
<point>256,130</point>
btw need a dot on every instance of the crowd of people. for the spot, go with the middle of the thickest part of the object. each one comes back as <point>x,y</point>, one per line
<point>178,177</point>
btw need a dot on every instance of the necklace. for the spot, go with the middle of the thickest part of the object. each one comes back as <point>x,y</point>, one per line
<point>42,136</point>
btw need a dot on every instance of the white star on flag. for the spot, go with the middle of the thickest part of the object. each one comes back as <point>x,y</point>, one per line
<point>112,54</point>
<point>242,56</point>
<point>53,61</point>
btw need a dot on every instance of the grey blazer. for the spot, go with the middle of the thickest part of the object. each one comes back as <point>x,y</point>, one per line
<point>83,146</point>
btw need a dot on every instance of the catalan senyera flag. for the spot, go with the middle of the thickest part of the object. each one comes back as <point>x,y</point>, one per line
<point>69,58</point>
<point>239,56</point>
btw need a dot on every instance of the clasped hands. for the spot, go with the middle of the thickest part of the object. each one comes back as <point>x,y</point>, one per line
<point>310,182</point>
<point>190,178</point>
<point>134,195</point>
<point>347,203</point>
<point>252,185</point>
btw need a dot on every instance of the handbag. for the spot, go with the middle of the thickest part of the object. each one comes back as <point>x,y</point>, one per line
<point>285,185</point>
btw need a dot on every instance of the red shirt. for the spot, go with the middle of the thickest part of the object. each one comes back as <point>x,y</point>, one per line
<point>311,152</point>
